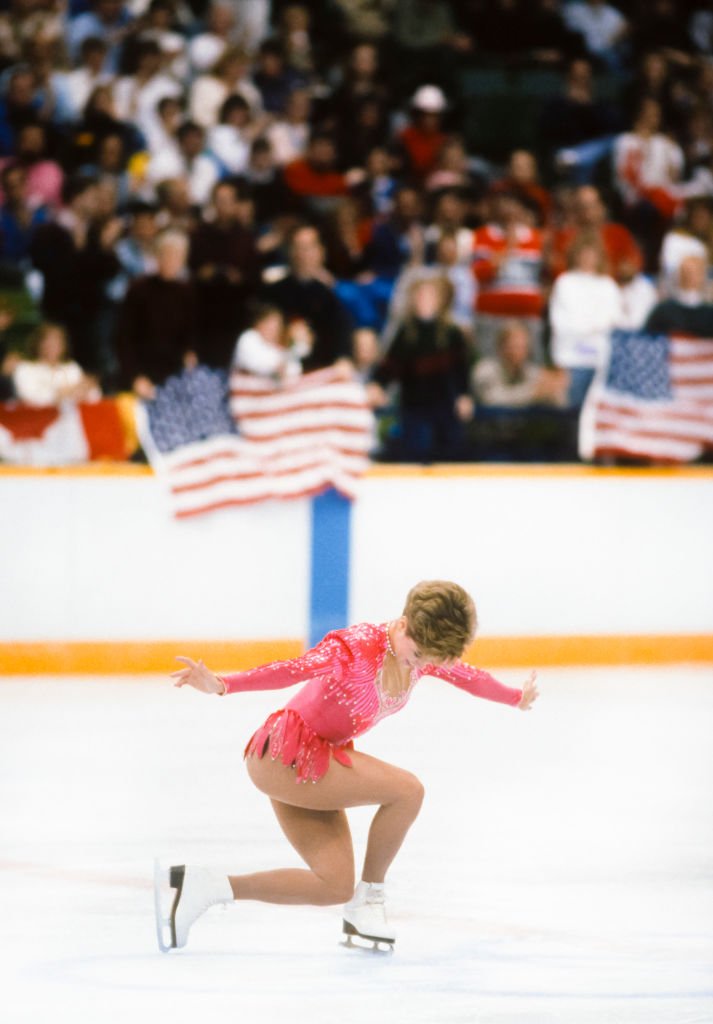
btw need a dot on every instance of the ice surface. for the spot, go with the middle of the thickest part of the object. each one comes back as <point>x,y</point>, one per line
<point>561,869</point>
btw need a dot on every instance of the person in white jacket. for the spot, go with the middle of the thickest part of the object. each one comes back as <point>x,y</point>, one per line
<point>585,305</point>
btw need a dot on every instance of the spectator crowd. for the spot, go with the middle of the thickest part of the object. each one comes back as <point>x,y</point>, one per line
<point>281,187</point>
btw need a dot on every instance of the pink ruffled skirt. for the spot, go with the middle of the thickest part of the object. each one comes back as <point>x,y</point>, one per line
<point>286,736</point>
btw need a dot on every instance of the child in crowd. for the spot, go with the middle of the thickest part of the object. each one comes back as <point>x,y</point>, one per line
<point>270,348</point>
<point>50,376</point>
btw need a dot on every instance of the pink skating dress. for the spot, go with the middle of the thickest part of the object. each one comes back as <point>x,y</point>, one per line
<point>343,697</point>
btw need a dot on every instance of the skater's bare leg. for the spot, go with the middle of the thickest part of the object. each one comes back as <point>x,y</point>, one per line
<point>369,781</point>
<point>323,840</point>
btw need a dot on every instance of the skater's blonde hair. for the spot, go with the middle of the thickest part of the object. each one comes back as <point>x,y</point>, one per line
<point>441,618</point>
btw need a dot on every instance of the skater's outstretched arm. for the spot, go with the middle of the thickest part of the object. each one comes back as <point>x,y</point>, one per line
<point>328,656</point>
<point>481,684</point>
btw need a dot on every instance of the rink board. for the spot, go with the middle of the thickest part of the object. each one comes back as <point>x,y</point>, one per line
<point>568,565</point>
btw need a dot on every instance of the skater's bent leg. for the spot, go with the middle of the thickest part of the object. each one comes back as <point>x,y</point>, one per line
<point>323,840</point>
<point>368,781</point>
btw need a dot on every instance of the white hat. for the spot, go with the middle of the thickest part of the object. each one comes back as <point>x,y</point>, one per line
<point>430,98</point>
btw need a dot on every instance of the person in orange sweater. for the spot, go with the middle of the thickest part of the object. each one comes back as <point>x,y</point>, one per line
<point>589,220</point>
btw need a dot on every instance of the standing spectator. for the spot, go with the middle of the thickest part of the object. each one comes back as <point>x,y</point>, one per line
<point>225,267</point>
<point>398,239</point>
<point>269,348</point>
<point>510,379</point>
<point>306,293</point>
<point>157,322</point>
<point>428,358</point>
<point>689,310</point>
<point>585,305</point>
<point>19,105</point>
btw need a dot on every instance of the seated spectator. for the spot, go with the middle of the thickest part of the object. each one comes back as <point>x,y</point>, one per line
<point>289,134</point>
<point>271,348</point>
<point>49,376</point>
<point>8,357</point>
<point>449,218</point>
<point>44,176</point>
<point>508,266</point>
<point>79,84</point>
<point>108,20</point>
<point>428,359</point>
<point>158,25</point>
<point>510,378</point>
<point>653,81</point>
<point>293,32</point>
<point>162,132</point>
<point>576,127</point>
<point>136,251</point>
<point>191,162</point>
<point>380,184</point>
<point>136,96</point>
<point>399,238</point>
<point>19,216</point>
<point>314,178</point>
<point>99,120</point>
<point>226,271</point>
<point>522,180</point>
<point>362,77</point>
<point>75,255</point>
<point>548,41</point>
<point>662,27</point>
<point>274,78</point>
<point>689,310</point>
<point>585,306</point>
<point>647,166</point>
<point>452,167</point>
<point>421,140</point>
<point>19,105</point>
<point>266,181</point>
<point>638,294</point>
<point>230,77</point>
<point>206,48</point>
<point>427,36</point>
<point>603,28</point>
<point>691,235</point>
<point>176,209</point>
<point>110,164</point>
<point>229,141</point>
<point>156,335</point>
<point>306,293</point>
<point>589,222</point>
<point>368,128</point>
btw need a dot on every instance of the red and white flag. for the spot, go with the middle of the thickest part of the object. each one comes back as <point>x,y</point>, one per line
<point>294,439</point>
<point>61,435</point>
<point>653,402</point>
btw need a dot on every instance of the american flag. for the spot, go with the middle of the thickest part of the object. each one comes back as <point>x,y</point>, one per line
<point>654,401</point>
<point>286,440</point>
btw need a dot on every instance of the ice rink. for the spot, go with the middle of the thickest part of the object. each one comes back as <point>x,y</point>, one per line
<point>561,869</point>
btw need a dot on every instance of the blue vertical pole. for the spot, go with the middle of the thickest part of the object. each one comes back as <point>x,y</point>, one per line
<point>329,582</point>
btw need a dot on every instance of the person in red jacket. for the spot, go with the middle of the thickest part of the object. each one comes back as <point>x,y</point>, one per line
<point>589,220</point>
<point>314,177</point>
<point>422,138</point>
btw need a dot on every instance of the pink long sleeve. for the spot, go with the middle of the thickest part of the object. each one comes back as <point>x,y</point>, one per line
<point>476,682</point>
<point>325,658</point>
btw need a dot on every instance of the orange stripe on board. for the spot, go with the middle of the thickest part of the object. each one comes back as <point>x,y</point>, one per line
<point>125,657</point>
<point>129,658</point>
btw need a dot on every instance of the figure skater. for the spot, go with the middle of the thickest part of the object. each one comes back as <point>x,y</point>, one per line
<point>355,677</point>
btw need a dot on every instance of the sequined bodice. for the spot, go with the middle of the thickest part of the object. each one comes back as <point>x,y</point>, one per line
<point>344,693</point>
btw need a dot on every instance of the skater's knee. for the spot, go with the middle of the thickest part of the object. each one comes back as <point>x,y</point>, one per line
<point>338,888</point>
<point>412,791</point>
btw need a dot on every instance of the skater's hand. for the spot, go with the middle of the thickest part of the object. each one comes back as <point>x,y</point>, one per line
<point>530,693</point>
<point>198,676</point>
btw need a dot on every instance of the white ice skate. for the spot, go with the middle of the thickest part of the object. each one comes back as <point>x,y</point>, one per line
<point>364,917</point>
<point>197,889</point>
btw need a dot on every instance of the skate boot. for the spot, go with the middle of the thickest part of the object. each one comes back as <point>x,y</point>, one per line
<point>197,889</point>
<point>364,917</point>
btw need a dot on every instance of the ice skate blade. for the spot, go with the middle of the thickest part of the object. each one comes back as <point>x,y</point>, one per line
<point>378,946</point>
<point>165,925</point>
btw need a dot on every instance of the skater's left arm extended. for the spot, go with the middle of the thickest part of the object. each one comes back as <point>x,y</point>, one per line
<point>480,683</point>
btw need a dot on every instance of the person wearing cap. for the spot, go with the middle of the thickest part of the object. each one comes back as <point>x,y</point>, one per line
<point>422,138</point>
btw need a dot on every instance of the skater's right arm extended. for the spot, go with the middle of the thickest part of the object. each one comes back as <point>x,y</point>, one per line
<point>328,656</point>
